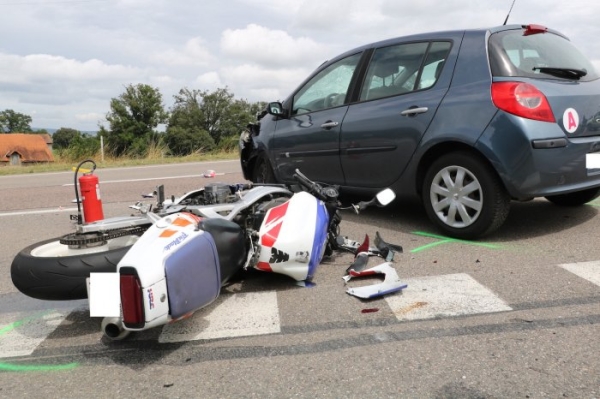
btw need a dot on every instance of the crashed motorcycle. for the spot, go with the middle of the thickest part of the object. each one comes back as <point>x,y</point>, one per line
<point>188,250</point>
<point>180,264</point>
<point>57,269</point>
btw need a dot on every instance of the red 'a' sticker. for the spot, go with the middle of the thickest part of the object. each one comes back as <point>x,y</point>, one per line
<point>570,120</point>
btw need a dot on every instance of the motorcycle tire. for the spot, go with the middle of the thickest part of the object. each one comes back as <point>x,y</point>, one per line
<point>49,270</point>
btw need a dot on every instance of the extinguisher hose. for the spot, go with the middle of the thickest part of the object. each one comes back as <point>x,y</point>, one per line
<point>79,216</point>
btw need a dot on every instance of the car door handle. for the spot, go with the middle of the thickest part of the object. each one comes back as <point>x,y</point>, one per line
<point>414,111</point>
<point>329,125</point>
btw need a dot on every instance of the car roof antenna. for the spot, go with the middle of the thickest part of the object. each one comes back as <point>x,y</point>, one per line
<point>509,11</point>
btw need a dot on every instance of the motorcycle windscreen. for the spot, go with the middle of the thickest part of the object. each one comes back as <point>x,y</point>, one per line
<point>193,275</point>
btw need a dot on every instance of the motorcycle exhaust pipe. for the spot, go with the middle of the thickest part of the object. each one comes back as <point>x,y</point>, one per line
<point>113,329</point>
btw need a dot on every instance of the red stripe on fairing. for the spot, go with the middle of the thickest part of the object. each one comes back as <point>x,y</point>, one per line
<point>264,266</point>
<point>275,215</point>
<point>277,212</point>
<point>269,238</point>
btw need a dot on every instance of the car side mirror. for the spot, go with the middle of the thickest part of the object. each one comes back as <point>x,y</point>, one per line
<point>275,109</point>
<point>385,197</point>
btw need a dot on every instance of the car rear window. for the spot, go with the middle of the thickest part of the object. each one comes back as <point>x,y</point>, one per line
<point>516,53</point>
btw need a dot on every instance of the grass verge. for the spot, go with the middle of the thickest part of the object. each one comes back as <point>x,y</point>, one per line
<point>63,165</point>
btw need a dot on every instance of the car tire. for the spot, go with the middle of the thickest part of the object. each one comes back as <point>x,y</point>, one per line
<point>263,173</point>
<point>575,199</point>
<point>475,204</point>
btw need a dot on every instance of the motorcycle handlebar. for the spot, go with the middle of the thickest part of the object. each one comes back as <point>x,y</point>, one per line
<point>309,185</point>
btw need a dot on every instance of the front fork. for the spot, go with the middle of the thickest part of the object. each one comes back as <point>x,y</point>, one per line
<point>333,230</point>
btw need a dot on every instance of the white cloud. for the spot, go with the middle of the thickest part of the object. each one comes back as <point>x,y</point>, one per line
<point>254,80</point>
<point>193,53</point>
<point>269,47</point>
<point>209,81</point>
<point>62,65</point>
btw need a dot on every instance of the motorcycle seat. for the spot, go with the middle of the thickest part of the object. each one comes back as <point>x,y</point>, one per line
<point>230,242</point>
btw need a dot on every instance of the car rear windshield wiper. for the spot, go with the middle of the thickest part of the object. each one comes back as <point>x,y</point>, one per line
<point>569,73</point>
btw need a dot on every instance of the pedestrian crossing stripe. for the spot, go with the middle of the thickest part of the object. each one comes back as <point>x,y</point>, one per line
<point>233,315</point>
<point>257,313</point>
<point>587,270</point>
<point>23,335</point>
<point>447,295</point>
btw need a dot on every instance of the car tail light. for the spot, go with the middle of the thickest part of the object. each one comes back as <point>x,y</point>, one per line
<point>522,99</point>
<point>132,302</point>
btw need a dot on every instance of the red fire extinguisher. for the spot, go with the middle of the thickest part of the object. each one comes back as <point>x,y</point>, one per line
<point>90,195</point>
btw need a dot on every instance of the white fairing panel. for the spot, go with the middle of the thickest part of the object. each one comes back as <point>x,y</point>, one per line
<point>289,235</point>
<point>151,256</point>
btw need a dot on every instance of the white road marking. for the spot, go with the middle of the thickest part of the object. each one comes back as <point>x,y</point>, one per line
<point>447,295</point>
<point>24,334</point>
<point>587,270</point>
<point>38,211</point>
<point>143,179</point>
<point>234,315</point>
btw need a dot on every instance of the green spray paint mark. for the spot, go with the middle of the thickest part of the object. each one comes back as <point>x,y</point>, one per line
<point>445,240</point>
<point>595,203</point>
<point>29,368</point>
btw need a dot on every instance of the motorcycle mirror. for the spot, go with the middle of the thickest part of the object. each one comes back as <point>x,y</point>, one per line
<point>385,197</point>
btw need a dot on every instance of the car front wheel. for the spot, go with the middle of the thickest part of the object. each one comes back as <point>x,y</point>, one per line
<point>263,173</point>
<point>464,197</point>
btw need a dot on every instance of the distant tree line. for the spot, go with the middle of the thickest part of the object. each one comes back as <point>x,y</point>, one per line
<point>199,122</point>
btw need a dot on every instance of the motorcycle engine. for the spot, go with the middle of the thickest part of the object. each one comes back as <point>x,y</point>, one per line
<point>216,193</point>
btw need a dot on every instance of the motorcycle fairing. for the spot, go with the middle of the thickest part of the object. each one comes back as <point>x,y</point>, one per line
<point>293,237</point>
<point>178,268</point>
<point>390,284</point>
<point>193,275</point>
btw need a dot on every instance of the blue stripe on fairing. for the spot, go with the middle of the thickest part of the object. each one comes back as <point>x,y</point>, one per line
<point>320,241</point>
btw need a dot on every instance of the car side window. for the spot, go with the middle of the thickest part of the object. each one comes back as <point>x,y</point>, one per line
<point>403,68</point>
<point>328,88</point>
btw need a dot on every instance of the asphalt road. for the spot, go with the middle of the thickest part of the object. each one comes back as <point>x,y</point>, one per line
<point>516,315</point>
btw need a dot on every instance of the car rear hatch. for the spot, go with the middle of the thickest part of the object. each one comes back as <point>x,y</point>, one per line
<point>546,71</point>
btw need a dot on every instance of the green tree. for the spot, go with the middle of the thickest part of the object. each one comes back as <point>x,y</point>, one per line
<point>217,113</point>
<point>133,118</point>
<point>182,141</point>
<point>14,122</point>
<point>185,131</point>
<point>63,137</point>
<point>83,146</point>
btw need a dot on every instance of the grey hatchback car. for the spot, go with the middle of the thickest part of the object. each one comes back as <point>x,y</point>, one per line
<point>466,121</point>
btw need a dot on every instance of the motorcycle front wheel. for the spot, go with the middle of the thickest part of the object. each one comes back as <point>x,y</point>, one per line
<point>53,271</point>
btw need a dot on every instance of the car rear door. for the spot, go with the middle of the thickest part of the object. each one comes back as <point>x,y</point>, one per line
<point>309,139</point>
<point>401,92</point>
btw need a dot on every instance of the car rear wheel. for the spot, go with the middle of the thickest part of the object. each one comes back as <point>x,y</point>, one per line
<point>464,197</point>
<point>575,199</point>
<point>263,173</point>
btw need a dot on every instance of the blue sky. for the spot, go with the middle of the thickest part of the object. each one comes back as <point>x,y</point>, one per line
<point>61,61</point>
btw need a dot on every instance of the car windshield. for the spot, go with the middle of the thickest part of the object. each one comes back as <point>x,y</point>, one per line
<point>539,55</point>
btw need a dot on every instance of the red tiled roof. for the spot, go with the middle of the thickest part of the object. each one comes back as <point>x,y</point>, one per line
<point>31,147</point>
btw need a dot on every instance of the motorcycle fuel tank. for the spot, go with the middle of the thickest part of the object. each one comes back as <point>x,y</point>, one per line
<point>293,237</point>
